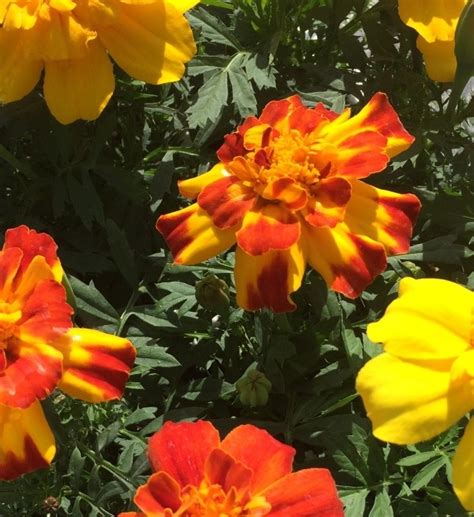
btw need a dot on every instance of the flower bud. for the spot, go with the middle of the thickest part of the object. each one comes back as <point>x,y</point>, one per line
<point>254,389</point>
<point>465,38</point>
<point>213,293</point>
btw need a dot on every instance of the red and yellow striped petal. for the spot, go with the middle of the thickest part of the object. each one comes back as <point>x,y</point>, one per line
<point>222,469</point>
<point>10,260</point>
<point>288,191</point>
<point>33,244</point>
<point>307,120</point>
<point>327,206</point>
<point>160,497</point>
<point>96,365</point>
<point>181,450</point>
<point>255,448</point>
<point>347,261</point>
<point>26,441</point>
<point>233,145</point>
<point>33,371</point>
<point>277,114</point>
<point>227,200</point>
<point>191,188</point>
<point>268,228</point>
<point>376,116</point>
<point>268,280</point>
<point>384,216</point>
<point>309,492</point>
<point>192,236</point>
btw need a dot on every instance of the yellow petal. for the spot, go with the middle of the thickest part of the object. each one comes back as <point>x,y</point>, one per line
<point>20,16</point>
<point>430,321</point>
<point>18,76</point>
<point>79,88</point>
<point>408,403</point>
<point>192,187</point>
<point>183,5</point>
<point>150,42</point>
<point>463,468</point>
<point>37,271</point>
<point>432,19</point>
<point>26,441</point>
<point>440,59</point>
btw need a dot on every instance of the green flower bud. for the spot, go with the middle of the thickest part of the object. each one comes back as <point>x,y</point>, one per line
<point>213,293</point>
<point>415,270</point>
<point>254,389</point>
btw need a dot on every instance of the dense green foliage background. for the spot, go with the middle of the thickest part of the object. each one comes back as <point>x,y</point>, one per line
<point>99,187</point>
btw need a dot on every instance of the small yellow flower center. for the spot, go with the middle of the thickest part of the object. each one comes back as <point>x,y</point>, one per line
<point>211,501</point>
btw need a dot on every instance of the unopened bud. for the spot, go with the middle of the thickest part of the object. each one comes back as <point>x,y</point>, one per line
<point>464,48</point>
<point>415,270</point>
<point>254,389</point>
<point>213,293</point>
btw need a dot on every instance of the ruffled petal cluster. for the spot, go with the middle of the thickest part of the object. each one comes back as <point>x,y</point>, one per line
<point>288,191</point>
<point>41,351</point>
<point>424,381</point>
<point>249,473</point>
<point>72,41</point>
<point>436,22</point>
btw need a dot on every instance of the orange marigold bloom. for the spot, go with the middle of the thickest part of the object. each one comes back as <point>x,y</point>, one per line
<point>288,191</point>
<point>71,40</point>
<point>39,351</point>
<point>249,473</point>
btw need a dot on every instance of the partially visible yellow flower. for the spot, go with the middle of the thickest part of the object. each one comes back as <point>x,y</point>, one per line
<point>435,21</point>
<point>424,382</point>
<point>71,40</point>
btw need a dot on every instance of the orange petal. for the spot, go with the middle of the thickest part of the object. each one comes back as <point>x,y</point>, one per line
<point>181,450</point>
<point>160,492</point>
<point>271,227</point>
<point>191,188</point>
<point>277,113</point>
<point>96,365</point>
<point>309,492</point>
<point>268,280</point>
<point>288,191</point>
<point>10,260</point>
<point>348,262</point>
<point>307,120</point>
<point>255,448</point>
<point>327,206</point>
<point>227,200</point>
<point>192,236</point>
<point>233,145</point>
<point>384,216</point>
<point>26,441</point>
<point>33,244</point>
<point>222,469</point>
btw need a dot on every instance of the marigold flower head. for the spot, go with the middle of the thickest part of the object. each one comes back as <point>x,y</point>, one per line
<point>424,381</point>
<point>40,351</point>
<point>71,40</point>
<point>287,190</point>
<point>249,473</point>
<point>436,22</point>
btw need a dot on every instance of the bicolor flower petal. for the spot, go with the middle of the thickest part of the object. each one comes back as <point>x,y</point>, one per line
<point>288,191</point>
<point>40,351</point>
<point>73,41</point>
<point>424,381</point>
<point>249,473</point>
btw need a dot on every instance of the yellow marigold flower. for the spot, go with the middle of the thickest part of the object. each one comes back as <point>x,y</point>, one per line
<point>435,21</point>
<point>424,382</point>
<point>71,40</point>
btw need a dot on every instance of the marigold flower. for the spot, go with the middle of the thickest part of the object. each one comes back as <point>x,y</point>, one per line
<point>435,21</point>
<point>249,473</point>
<point>424,382</point>
<point>72,40</point>
<point>39,351</point>
<point>288,191</point>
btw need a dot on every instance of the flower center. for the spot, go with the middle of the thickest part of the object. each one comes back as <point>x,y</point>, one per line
<point>212,501</point>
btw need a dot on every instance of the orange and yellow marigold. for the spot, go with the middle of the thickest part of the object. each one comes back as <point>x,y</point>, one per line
<point>71,40</point>
<point>287,190</point>
<point>249,473</point>
<point>40,351</point>
<point>423,383</point>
